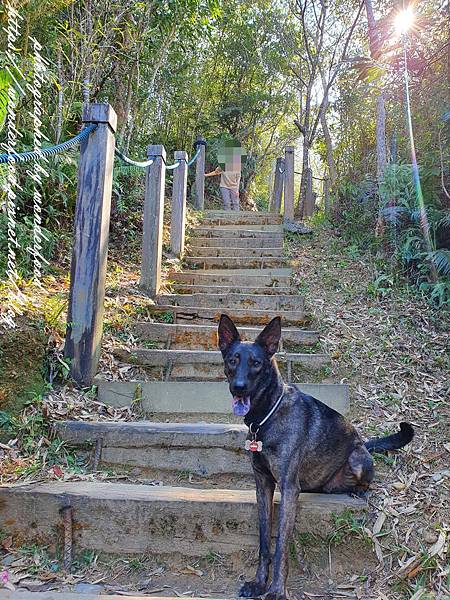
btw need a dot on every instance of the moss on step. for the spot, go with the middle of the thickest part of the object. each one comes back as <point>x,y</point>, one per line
<point>22,355</point>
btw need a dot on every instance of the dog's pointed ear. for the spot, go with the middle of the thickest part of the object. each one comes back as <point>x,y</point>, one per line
<point>269,338</point>
<point>227,333</point>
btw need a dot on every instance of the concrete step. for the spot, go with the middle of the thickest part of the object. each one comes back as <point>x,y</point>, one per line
<point>242,219</point>
<point>235,262</point>
<point>199,398</point>
<point>240,231</point>
<point>261,302</point>
<point>203,364</point>
<point>243,277</point>
<point>237,252</point>
<point>163,450</point>
<point>128,519</point>
<point>203,449</point>
<point>176,335</point>
<point>257,227</point>
<point>218,212</point>
<point>241,316</point>
<point>275,241</point>
<point>229,289</point>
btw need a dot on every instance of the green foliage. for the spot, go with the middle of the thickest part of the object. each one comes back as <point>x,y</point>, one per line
<point>24,231</point>
<point>347,524</point>
<point>380,286</point>
<point>400,242</point>
<point>7,93</point>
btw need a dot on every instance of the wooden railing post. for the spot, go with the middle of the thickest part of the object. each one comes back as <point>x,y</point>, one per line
<point>178,218</point>
<point>90,247</point>
<point>289,182</point>
<point>278,185</point>
<point>270,185</point>
<point>152,238</point>
<point>200,177</point>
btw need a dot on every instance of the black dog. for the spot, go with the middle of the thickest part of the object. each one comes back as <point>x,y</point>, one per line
<point>296,441</point>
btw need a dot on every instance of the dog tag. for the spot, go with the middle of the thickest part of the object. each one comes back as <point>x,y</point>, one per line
<point>253,445</point>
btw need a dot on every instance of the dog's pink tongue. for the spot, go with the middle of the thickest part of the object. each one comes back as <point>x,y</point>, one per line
<point>241,406</point>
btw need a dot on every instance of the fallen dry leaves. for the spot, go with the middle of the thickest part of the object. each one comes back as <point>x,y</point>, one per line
<point>393,353</point>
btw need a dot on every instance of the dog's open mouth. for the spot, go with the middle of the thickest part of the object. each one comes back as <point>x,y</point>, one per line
<point>241,405</point>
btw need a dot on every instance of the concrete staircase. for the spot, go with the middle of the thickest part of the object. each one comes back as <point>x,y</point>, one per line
<point>191,441</point>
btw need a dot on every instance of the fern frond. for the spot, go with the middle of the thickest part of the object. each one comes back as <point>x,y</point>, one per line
<point>441,260</point>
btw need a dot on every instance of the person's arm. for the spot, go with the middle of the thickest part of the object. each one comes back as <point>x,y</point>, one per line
<point>217,171</point>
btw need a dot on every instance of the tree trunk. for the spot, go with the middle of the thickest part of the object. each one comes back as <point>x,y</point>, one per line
<point>381,137</point>
<point>300,209</point>
<point>59,110</point>
<point>327,135</point>
<point>87,82</point>
<point>326,196</point>
<point>381,110</point>
<point>309,203</point>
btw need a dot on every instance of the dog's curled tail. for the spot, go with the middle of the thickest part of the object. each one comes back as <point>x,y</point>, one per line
<point>392,442</point>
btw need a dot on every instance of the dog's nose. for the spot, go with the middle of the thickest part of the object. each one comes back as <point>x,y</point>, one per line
<point>239,388</point>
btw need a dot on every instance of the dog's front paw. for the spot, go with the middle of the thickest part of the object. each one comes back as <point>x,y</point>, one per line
<point>275,596</point>
<point>252,589</point>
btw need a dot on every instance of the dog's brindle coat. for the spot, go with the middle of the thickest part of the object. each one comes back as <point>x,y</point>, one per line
<point>307,446</point>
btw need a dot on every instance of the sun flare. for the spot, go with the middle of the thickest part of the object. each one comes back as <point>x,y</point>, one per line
<point>404,20</point>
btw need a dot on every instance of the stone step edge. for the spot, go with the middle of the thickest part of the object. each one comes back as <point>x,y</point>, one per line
<point>239,315</point>
<point>161,356</point>
<point>199,240</point>
<point>256,252</point>
<point>279,260</point>
<point>236,232</point>
<point>271,272</point>
<point>234,300</point>
<point>142,434</point>
<point>62,491</point>
<point>162,332</point>
<point>193,288</point>
<point>199,397</point>
<point>131,519</point>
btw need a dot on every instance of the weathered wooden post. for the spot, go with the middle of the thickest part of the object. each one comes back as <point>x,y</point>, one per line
<point>178,219</point>
<point>278,185</point>
<point>152,238</point>
<point>200,176</point>
<point>270,187</point>
<point>90,247</point>
<point>289,182</point>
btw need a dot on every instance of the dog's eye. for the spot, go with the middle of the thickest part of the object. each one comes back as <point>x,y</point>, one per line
<point>256,363</point>
<point>232,361</point>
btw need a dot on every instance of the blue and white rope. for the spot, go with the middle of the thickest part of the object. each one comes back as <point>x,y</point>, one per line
<point>34,155</point>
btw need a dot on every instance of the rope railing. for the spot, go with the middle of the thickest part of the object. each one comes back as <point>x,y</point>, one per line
<point>174,166</point>
<point>135,163</point>
<point>196,155</point>
<point>35,155</point>
<point>144,164</point>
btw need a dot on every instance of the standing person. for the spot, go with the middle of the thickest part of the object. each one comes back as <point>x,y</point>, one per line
<point>230,177</point>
